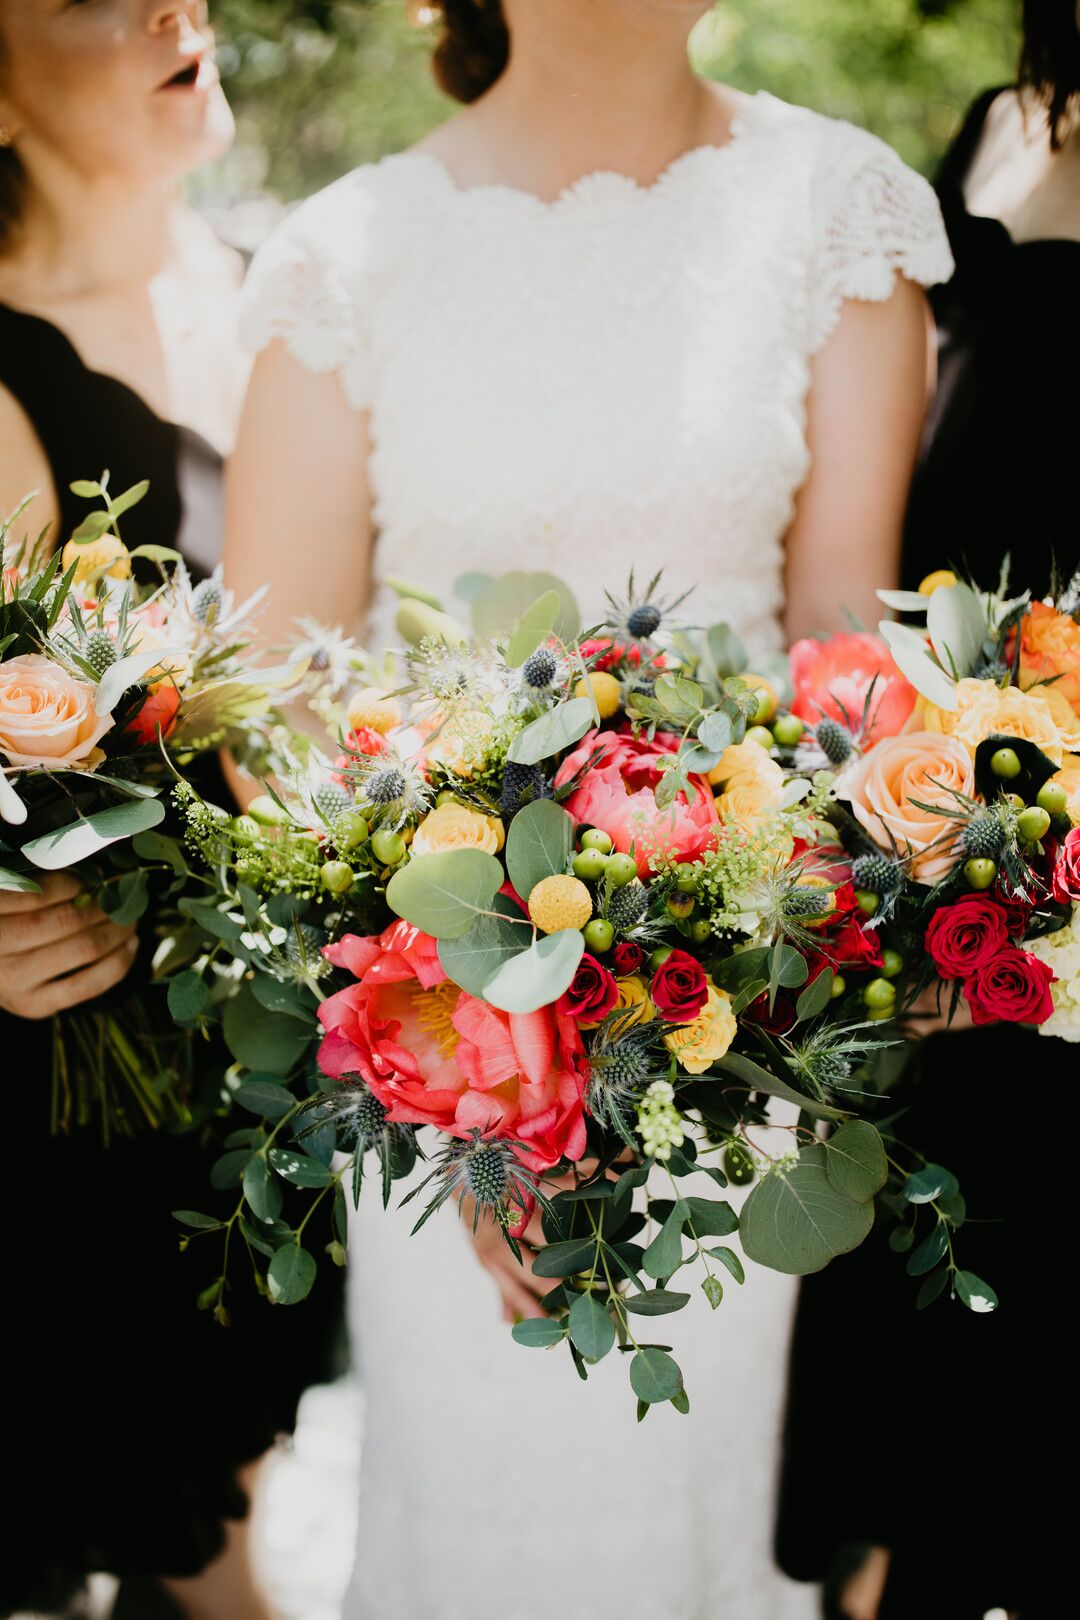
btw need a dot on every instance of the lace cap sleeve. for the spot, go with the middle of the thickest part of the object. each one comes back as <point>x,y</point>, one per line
<point>873,218</point>
<point>306,286</point>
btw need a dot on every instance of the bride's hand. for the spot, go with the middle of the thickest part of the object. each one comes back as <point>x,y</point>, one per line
<point>519,1290</point>
<point>924,1018</point>
<point>55,954</point>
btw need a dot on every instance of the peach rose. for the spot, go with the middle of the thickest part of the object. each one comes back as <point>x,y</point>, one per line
<point>1069,777</point>
<point>46,715</point>
<point>455,826</point>
<point>984,710</point>
<point>1050,651</point>
<point>882,788</point>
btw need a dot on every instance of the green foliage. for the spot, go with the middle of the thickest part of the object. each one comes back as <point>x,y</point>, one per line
<point>319,87</point>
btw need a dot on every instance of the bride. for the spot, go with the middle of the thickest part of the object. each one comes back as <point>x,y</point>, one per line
<point>611,314</point>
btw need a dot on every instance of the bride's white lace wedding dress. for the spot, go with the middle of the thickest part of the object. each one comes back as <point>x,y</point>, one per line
<point>614,378</point>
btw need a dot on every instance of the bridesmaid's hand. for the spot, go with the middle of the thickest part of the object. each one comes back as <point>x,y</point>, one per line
<point>862,1594</point>
<point>55,954</point>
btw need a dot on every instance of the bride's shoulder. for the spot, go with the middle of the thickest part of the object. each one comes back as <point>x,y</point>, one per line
<point>833,149</point>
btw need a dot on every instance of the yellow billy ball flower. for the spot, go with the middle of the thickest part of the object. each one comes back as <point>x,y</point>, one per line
<point>605,691</point>
<point>560,902</point>
<point>935,581</point>
<point>372,708</point>
<point>108,556</point>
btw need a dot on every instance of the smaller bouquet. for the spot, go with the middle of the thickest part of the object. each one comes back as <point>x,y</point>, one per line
<point>105,688</point>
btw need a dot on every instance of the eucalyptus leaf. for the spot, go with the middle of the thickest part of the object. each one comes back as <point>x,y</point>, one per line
<point>291,1274</point>
<point>932,1287</point>
<point>933,1181</point>
<point>299,1168</point>
<point>538,976</point>
<point>904,601</point>
<point>442,894</point>
<point>976,1295</point>
<point>12,809</point>
<point>486,946</point>
<point>262,1190</point>
<point>127,672</point>
<point>816,997</point>
<point>199,1222</point>
<point>125,902</point>
<point>534,627</point>
<point>795,1221</point>
<point>855,1160</point>
<point>272,1042</point>
<point>18,882</point>
<point>655,1302</point>
<point>716,731</point>
<point>930,1251</point>
<point>564,1259</point>
<point>664,1255</point>
<point>554,731</point>
<point>539,1333</point>
<point>538,845</point>
<point>188,997</point>
<point>265,1098</point>
<point>502,602</point>
<point>655,1377</point>
<point>730,1260</point>
<point>957,626</point>
<point>913,658</point>
<point>755,1078</point>
<point>81,839</point>
<point>713,1290</point>
<point>725,649</point>
<point>591,1328</point>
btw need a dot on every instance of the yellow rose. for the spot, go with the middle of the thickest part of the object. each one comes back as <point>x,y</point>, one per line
<point>1066,718</point>
<point>47,716</point>
<point>984,710</point>
<point>699,1044</point>
<point>94,558</point>
<point>374,710</point>
<point>455,826</point>
<point>742,760</point>
<point>633,1003</point>
<point>1069,777</point>
<point>749,801</point>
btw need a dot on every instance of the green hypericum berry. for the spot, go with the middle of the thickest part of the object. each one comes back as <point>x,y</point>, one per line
<point>680,906</point>
<point>1033,823</point>
<point>350,830</point>
<point>839,986</point>
<point>337,877</point>
<point>267,812</point>
<point>868,901</point>
<point>834,740</point>
<point>984,835</point>
<point>387,847</point>
<point>980,872</point>
<point>621,869</point>
<point>700,930</point>
<point>628,905</point>
<point>788,730</point>
<point>1005,762</point>
<point>1013,800</point>
<point>596,838</point>
<point>879,994</point>
<point>100,651</point>
<point>659,957</point>
<point>245,829</point>
<point>738,1165</point>
<point>1053,798</point>
<point>892,963</point>
<point>589,864</point>
<point>687,878</point>
<point>331,800</point>
<point>760,735</point>
<point>599,935</point>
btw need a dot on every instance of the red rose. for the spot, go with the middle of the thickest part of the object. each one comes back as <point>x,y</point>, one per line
<point>852,945</point>
<point>1013,987</point>
<point>679,988</point>
<point>1067,869</point>
<point>778,1019</point>
<point>1016,908</point>
<point>627,958</point>
<point>963,937</point>
<point>593,993</point>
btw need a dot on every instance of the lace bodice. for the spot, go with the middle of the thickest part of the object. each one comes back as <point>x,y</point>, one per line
<point>615,377</point>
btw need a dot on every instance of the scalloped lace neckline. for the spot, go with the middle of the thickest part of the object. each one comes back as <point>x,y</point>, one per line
<point>612,181</point>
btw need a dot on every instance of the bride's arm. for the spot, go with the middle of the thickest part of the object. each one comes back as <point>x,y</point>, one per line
<point>298,515</point>
<point>868,395</point>
<point>298,510</point>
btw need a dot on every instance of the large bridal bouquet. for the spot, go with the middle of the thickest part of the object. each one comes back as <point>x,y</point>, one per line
<point>105,690</point>
<point>558,916</point>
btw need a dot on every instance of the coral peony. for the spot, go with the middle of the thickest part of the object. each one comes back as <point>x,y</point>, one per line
<point>617,796</point>
<point>433,1054</point>
<point>833,678</point>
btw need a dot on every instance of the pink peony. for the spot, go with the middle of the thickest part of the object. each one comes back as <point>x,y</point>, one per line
<point>434,1055</point>
<point>617,796</point>
<point>835,675</point>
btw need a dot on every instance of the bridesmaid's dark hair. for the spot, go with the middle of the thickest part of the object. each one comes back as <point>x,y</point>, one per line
<point>473,47</point>
<point>1050,60</point>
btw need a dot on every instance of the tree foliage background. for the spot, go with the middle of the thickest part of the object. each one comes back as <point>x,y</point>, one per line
<point>322,85</point>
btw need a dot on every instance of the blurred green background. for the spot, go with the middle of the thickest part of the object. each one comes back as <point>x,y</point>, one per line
<point>321,85</point>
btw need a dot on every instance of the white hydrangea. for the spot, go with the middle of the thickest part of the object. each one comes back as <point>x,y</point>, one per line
<point>1061,952</point>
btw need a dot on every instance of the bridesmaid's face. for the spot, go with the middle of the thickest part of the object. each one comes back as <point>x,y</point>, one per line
<point>112,88</point>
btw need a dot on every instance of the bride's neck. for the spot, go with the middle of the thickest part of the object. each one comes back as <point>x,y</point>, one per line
<point>580,95</point>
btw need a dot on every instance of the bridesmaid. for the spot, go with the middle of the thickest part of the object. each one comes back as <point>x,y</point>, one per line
<point>117,350</point>
<point>960,1513</point>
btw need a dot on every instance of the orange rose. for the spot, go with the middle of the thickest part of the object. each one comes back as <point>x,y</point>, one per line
<point>47,716</point>
<point>1050,651</point>
<point>883,786</point>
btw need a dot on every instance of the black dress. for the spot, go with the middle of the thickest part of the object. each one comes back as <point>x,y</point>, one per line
<point>942,1434</point>
<point>126,1410</point>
